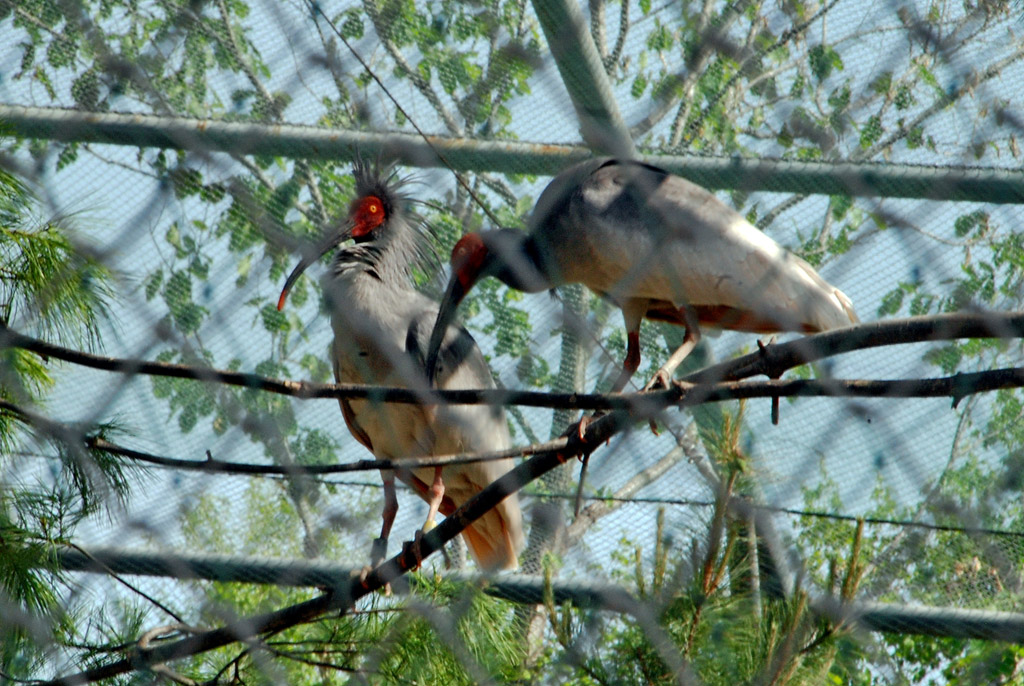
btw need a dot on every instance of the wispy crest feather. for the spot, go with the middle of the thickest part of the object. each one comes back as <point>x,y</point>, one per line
<point>407,239</point>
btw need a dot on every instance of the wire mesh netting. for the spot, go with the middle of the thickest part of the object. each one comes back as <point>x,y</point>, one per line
<point>186,497</point>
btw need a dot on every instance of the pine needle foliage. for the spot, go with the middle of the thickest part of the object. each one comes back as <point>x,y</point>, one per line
<point>53,287</point>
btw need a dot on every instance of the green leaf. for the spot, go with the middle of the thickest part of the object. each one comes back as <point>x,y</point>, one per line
<point>68,155</point>
<point>86,90</point>
<point>212,193</point>
<point>199,267</point>
<point>60,53</point>
<point>352,28</point>
<point>946,358</point>
<point>823,61</point>
<point>797,89</point>
<point>185,181</point>
<point>273,320</point>
<point>153,284</point>
<point>915,137</point>
<point>639,85</point>
<point>319,371</point>
<point>891,302</point>
<point>243,268</point>
<point>189,317</point>
<point>173,236</point>
<point>904,97</point>
<point>446,74</point>
<point>839,99</point>
<point>882,83</point>
<point>660,38</point>
<point>870,132</point>
<point>976,222</point>
<point>841,204</point>
<point>178,290</point>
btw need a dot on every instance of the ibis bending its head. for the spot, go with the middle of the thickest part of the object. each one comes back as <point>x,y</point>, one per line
<point>658,246</point>
<point>382,326</point>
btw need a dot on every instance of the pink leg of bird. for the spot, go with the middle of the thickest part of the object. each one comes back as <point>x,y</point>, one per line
<point>629,367</point>
<point>632,361</point>
<point>663,377</point>
<point>436,493</point>
<point>380,545</point>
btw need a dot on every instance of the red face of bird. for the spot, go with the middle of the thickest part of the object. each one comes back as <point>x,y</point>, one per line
<point>365,215</point>
<point>469,257</point>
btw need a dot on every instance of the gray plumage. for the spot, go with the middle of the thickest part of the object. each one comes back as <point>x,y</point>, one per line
<point>632,231</point>
<point>658,246</point>
<point>382,326</point>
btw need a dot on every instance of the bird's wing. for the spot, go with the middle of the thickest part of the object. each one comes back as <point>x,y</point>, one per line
<point>353,425</point>
<point>461,365</point>
<point>497,537</point>
<point>650,234</point>
<point>346,409</point>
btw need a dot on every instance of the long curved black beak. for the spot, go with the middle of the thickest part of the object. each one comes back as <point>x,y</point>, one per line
<point>329,242</point>
<point>445,315</point>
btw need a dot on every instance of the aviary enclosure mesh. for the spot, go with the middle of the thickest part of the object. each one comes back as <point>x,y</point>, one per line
<point>198,232</point>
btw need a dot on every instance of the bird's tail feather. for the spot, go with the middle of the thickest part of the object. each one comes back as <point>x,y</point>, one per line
<point>493,543</point>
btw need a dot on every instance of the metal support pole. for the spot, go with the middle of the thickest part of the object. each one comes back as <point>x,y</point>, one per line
<point>601,124</point>
<point>991,185</point>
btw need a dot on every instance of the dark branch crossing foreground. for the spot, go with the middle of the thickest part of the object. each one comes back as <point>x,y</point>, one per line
<point>344,597</point>
<point>703,386</point>
<point>771,361</point>
<point>529,589</point>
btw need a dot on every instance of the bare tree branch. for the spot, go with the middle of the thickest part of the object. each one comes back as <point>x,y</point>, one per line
<point>221,467</point>
<point>783,39</point>
<point>620,40</point>
<point>342,599</point>
<point>970,82</point>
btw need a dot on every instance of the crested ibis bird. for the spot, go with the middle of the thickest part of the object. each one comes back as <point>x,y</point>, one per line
<point>659,247</point>
<point>381,329</point>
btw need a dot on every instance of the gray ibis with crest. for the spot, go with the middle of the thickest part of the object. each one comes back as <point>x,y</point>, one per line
<point>656,245</point>
<point>381,329</point>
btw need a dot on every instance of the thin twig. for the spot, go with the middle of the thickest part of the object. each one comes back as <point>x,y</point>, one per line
<point>221,467</point>
<point>131,587</point>
<point>783,39</point>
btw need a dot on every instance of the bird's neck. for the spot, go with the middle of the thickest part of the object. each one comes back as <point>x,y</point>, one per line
<point>517,261</point>
<point>388,258</point>
<point>357,259</point>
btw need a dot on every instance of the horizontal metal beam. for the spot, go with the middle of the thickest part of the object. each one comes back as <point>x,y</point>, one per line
<point>529,589</point>
<point>941,621</point>
<point>520,588</point>
<point>988,185</point>
<point>284,140</point>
